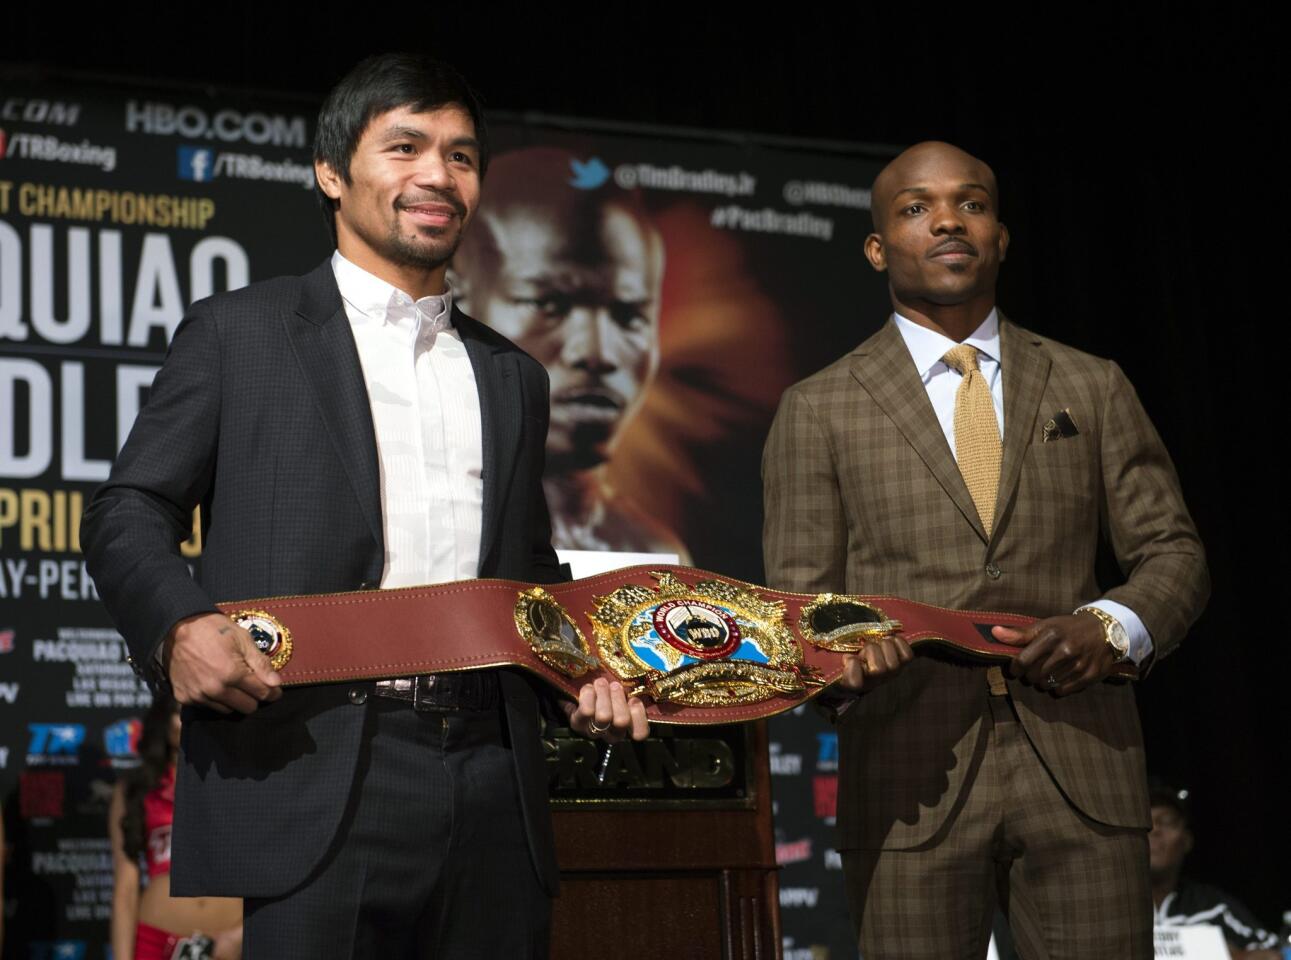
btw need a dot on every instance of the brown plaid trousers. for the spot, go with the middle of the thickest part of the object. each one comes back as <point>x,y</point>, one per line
<point>863,495</point>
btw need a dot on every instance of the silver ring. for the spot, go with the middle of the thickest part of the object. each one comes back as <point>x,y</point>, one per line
<point>596,729</point>
<point>1052,681</point>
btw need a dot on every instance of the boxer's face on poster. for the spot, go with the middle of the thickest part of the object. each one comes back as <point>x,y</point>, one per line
<point>585,304</point>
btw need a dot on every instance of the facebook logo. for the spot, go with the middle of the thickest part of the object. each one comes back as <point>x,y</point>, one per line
<point>55,739</point>
<point>195,163</point>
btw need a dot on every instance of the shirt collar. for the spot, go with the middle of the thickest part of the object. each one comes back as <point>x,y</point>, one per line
<point>372,299</point>
<point>927,347</point>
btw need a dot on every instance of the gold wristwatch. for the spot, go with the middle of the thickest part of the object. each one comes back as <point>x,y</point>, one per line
<point>1113,632</point>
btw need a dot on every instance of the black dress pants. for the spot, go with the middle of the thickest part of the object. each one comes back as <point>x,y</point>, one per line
<point>431,860</point>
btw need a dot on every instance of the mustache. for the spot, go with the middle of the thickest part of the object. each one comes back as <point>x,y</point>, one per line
<point>433,196</point>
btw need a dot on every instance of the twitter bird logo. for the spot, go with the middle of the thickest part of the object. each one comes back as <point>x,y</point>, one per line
<point>589,175</point>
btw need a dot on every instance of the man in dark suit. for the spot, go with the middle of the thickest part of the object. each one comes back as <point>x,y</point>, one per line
<point>960,460</point>
<point>350,429</point>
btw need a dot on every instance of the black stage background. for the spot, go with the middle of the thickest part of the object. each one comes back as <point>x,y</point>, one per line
<point>1136,155</point>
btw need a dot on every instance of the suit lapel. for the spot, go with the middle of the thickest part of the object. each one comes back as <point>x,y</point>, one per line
<point>497,379</point>
<point>320,336</point>
<point>1025,368</point>
<point>883,367</point>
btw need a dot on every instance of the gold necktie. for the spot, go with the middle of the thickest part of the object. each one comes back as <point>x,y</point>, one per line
<point>977,433</point>
<point>979,452</point>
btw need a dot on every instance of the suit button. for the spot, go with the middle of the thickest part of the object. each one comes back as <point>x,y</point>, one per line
<point>367,585</point>
<point>358,695</point>
<point>993,571</point>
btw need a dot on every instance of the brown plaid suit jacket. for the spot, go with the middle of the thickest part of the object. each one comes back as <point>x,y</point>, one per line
<point>863,495</point>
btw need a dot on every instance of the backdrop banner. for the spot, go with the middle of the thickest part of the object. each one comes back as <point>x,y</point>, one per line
<point>673,286</point>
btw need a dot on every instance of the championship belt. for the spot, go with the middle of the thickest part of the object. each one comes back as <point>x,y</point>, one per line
<point>695,646</point>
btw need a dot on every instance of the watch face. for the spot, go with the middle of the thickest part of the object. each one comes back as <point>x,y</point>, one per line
<point>1118,638</point>
<point>1113,631</point>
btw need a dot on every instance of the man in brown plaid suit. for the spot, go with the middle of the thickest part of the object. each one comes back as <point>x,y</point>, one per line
<point>958,459</point>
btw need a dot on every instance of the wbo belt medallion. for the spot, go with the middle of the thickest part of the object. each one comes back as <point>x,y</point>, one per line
<point>844,623</point>
<point>552,633</point>
<point>268,633</point>
<point>711,644</point>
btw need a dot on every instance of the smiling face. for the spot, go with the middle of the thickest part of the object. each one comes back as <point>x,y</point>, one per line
<point>413,186</point>
<point>937,229</point>
<point>576,287</point>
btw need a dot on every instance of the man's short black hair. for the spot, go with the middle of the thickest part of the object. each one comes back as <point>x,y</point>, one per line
<point>1162,794</point>
<point>378,85</point>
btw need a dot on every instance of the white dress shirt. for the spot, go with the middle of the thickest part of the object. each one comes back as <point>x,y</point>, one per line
<point>426,416</point>
<point>927,347</point>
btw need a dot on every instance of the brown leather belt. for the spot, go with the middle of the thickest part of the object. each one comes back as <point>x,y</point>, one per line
<point>696,646</point>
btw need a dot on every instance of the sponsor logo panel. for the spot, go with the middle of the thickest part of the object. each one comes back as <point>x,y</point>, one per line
<point>57,950</point>
<point>58,113</point>
<point>88,861</point>
<point>41,793</point>
<point>647,176</point>
<point>799,192</point>
<point>768,220</point>
<point>48,579</point>
<point>792,951</point>
<point>56,744</point>
<point>49,201</point>
<point>101,679</point>
<point>824,795</point>
<point>796,897</point>
<point>784,764</point>
<point>588,175</point>
<point>97,797</point>
<point>121,739</point>
<point>159,119</point>
<point>827,751</point>
<point>793,851</point>
<point>49,148</point>
<point>196,163</point>
<point>202,165</point>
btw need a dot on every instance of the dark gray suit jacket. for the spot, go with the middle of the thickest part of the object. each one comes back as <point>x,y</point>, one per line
<point>260,415</point>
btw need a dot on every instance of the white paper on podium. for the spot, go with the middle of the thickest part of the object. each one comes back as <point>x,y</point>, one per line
<point>588,563</point>
<point>1200,942</point>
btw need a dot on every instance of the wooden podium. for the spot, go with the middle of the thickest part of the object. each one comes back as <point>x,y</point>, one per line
<point>671,854</point>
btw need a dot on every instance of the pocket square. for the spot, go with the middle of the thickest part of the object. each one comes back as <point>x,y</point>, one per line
<point>1060,425</point>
